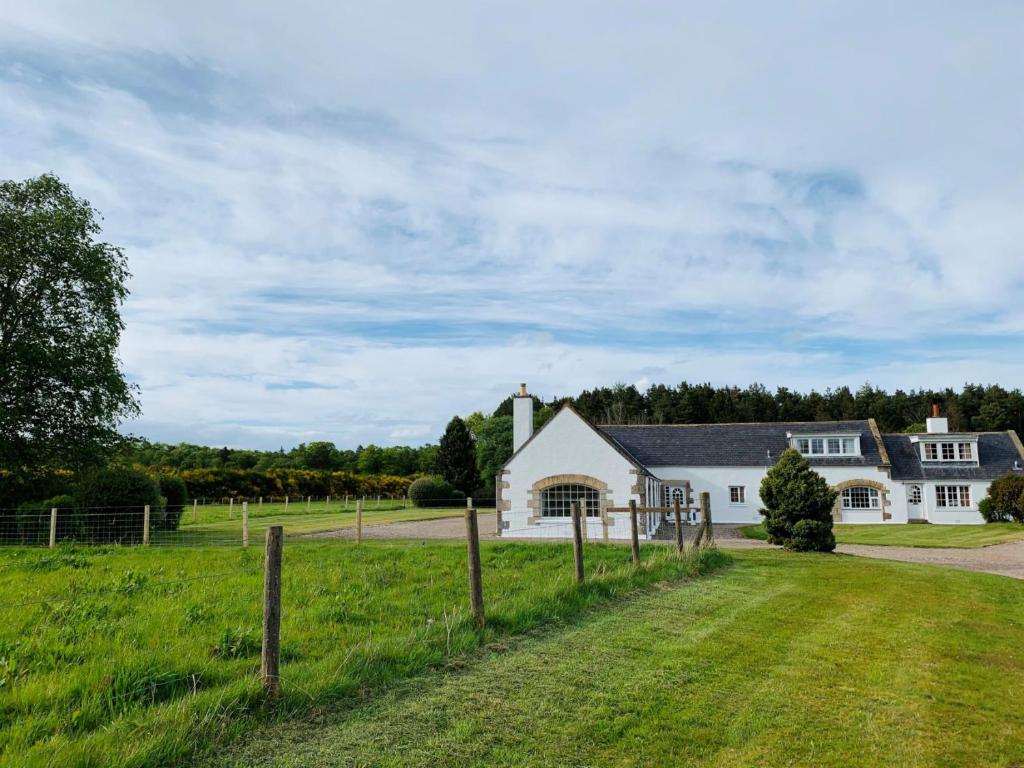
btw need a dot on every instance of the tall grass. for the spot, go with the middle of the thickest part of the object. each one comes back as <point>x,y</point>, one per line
<point>144,658</point>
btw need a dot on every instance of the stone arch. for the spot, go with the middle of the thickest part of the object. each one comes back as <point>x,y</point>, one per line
<point>533,496</point>
<point>883,496</point>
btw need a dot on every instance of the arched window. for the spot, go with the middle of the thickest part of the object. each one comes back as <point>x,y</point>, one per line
<point>557,500</point>
<point>861,497</point>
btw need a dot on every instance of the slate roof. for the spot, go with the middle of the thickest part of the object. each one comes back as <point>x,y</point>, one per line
<point>996,456</point>
<point>735,445</point>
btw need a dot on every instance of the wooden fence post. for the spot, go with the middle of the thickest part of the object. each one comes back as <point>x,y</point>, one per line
<point>698,540</point>
<point>286,503</point>
<point>270,658</point>
<point>327,506</point>
<point>577,542</point>
<point>633,534</point>
<point>245,523</point>
<point>476,588</point>
<point>195,510</point>
<point>261,501</point>
<point>469,502</point>
<point>604,525</point>
<point>145,524</point>
<point>231,508</point>
<point>679,526</point>
<point>359,521</point>
<point>705,518</point>
<point>53,527</point>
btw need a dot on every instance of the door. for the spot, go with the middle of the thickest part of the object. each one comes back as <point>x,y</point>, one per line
<point>915,508</point>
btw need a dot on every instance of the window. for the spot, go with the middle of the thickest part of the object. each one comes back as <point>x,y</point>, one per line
<point>914,497</point>
<point>860,497</point>
<point>737,494</point>
<point>671,493</point>
<point>826,446</point>
<point>557,500</point>
<point>952,496</point>
<point>948,451</point>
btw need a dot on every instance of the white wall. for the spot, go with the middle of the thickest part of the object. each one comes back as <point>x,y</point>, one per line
<point>566,446</point>
<point>949,515</point>
<point>716,480</point>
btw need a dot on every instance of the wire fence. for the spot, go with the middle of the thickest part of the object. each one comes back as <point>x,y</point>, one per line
<point>71,608</point>
<point>202,522</point>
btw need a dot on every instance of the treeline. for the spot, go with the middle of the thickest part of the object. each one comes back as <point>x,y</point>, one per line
<point>974,408</point>
<point>321,455</point>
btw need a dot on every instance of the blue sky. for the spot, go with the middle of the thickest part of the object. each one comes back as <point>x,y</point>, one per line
<point>351,221</point>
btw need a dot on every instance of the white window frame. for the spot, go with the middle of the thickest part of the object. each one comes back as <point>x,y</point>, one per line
<point>737,494</point>
<point>826,446</point>
<point>953,496</point>
<point>946,450</point>
<point>872,500</point>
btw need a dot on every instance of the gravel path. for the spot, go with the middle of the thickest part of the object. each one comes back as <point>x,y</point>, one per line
<point>1002,559</point>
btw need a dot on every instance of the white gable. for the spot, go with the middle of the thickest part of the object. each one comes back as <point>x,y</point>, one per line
<point>568,445</point>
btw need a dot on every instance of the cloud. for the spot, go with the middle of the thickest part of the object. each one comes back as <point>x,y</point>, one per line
<point>350,225</point>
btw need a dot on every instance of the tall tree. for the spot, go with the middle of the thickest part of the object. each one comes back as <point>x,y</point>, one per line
<point>62,391</point>
<point>456,456</point>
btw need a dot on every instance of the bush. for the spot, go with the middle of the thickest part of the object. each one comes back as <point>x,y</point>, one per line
<point>112,500</point>
<point>33,520</point>
<point>172,488</point>
<point>812,536</point>
<point>1007,495</point>
<point>793,492</point>
<point>988,511</point>
<point>433,491</point>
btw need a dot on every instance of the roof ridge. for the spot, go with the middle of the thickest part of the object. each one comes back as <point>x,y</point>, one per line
<point>737,423</point>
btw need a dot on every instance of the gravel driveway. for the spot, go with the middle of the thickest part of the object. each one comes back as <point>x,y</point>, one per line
<point>1001,559</point>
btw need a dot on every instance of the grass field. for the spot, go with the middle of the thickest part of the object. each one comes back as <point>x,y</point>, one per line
<point>961,536</point>
<point>782,659</point>
<point>222,524</point>
<point>141,657</point>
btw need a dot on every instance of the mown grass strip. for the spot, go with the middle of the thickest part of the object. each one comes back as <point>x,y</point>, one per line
<point>783,659</point>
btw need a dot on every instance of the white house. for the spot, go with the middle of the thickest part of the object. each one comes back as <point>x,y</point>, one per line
<point>936,476</point>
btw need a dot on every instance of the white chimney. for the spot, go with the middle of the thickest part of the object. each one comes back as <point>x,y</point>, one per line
<point>522,418</point>
<point>937,424</point>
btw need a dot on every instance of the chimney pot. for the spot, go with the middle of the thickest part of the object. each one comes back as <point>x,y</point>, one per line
<point>935,411</point>
<point>522,390</point>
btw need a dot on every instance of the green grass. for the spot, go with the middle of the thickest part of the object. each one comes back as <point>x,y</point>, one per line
<point>783,659</point>
<point>141,657</point>
<point>222,524</point>
<point>958,536</point>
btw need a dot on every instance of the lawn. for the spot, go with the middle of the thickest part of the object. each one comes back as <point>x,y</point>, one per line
<point>222,524</point>
<point>142,657</point>
<point>959,536</point>
<point>782,659</point>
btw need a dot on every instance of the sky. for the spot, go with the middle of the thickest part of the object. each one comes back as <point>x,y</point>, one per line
<point>351,221</point>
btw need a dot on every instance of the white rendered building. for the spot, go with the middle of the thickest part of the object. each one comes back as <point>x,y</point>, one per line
<point>936,476</point>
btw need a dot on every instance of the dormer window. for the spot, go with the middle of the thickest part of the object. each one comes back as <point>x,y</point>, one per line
<point>827,446</point>
<point>961,451</point>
